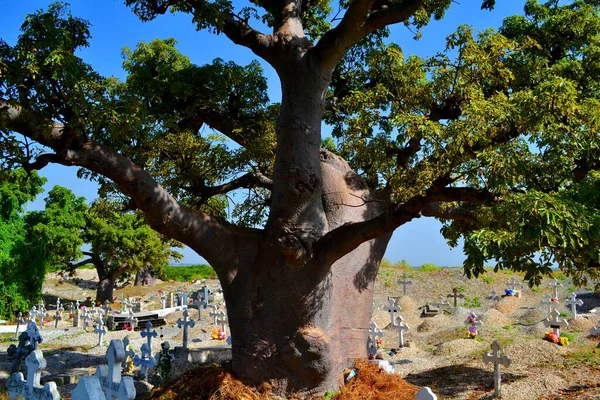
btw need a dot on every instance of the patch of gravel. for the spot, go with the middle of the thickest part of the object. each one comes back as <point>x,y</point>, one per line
<point>539,383</point>
<point>435,323</point>
<point>407,304</point>
<point>508,304</point>
<point>459,347</point>
<point>582,324</point>
<point>381,318</point>
<point>528,353</point>
<point>495,318</point>
<point>531,316</point>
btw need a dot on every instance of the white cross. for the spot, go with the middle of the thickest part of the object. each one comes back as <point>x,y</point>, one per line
<point>185,323</point>
<point>221,320</point>
<point>57,317</point>
<point>33,313</point>
<point>128,352</point>
<point>100,330</point>
<point>58,303</point>
<point>547,301</point>
<point>392,308</point>
<point>163,300</point>
<point>34,334</point>
<point>106,308</point>
<point>555,285</point>
<point>31,389</point>
<point>494,297</point>
<point>112,383</point>
<point>555,322</point>
<point>497,358</point>
<point>85,316</point>
<point>372,343</point>
<point>20,320</point>
<point>404,282</point>
<point>148,333</point>
<point>146,361</point>
<point>214,314</point>
<point>514,282</point>
<point>131,320</point>
<point>42,313</point>
<point>401,329</point>
<point>574,302</point>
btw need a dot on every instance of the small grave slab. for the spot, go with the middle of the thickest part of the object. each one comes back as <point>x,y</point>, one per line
<point>217,354</point>
<point>431,311</point>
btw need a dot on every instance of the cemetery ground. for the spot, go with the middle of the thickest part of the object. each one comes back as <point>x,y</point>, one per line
<point>436,352</point>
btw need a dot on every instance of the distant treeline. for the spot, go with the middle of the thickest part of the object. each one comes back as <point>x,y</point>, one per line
<point>189,273</point>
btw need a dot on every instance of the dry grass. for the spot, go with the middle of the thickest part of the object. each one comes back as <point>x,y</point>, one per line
<point>372,384</point>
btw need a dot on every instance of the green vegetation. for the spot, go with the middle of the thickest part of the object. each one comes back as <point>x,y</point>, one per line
<point>429,268</point>
<point>488,279</point>
<point>472,302</point>
<point>189,274</point>
<point>567,335</point>
<point>564,314</point>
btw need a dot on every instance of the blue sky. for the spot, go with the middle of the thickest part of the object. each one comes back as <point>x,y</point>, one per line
<point>114,26</point>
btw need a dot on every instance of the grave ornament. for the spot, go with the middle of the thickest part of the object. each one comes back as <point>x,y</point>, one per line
<point>186,323</point>
<point>404,282</point>
<point>456,296</point>
<point>497,358</point>
<point>573,301</point>
<point>148,333</point>
<point>374,333</point>
<point>31,389</point>
<point>401,329</point>
<point>473,324</point>
<point>392,308</point>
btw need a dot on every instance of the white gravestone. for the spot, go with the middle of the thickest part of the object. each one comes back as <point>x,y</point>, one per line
<point>131,320</point>
<point>555,322</point>
<point>573,301</point>
<point>401,329</point>
<point>497,358</point>
<point>185,323</point>
<point>31,389</point>
<point>85,317</point>
<point>547,301</point>
<point>114,386</point>
<point>425,394</point>
<point>222,320</point>
<point>163,300</point>
<point>146,361</point>
<point>404,282</point>
<point>106,308</point>
<point>33,313</point>
<point>88,388</point>
<point>392,308</point>
<point>100,330</point>
<point>374,333</point>
<point>20,320</point>
<point>42,314</point>
<point>214,314</point>
<point>148,333</point>
<point>128,351</point>
<point>555,285</point>
<point>34,334</point>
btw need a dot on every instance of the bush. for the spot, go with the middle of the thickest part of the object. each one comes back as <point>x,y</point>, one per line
<point>188,274</point>
<point>429,268</point>
<point>472,302</point>
<point>488,279</point>
<point>11,301</point>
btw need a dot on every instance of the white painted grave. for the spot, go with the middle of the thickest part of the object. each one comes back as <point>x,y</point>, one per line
<point>405,283</point>
<point>573,301</point>
<point>425,394</point>
<point>148,333</point>
<point>374,333</point>
<point>555,285</point>
<point>42,314</point>
<point>114,386</point>
<point>33,313</point>
<point>131,320</point>
<point>34,334</point>
<point>392,308</point>
<point>31,389</point>
<point>555,322</point>
<point>214,314</point>
<point>401,329</point>
<point>85,317</point>
<point>146,361</point>
<point>497,358</point>
<point>100,330</point>
<point>547,301</point>
<point>222,320</point>
<point>185,323</point>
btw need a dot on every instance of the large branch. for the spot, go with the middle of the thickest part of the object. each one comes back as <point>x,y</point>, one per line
<point>239,32</point>
<point>246,181</point>
<point>207,235</point>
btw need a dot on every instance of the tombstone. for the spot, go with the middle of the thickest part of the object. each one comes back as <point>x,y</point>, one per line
<point>33,313</point>
<point>185,323</point>
<point>76,315</point>
<point>31,389</point>
<point>555,285</point>
<point>163,300</point>
<point>128,351</point>
<point>20,320</point>
<point>404,282</point>
<point>214,314</point>
<point>493,296</point>
<point>42,314</point>
<point>573,301</point>
<point>112,383</point>
<point>88,388</point>
<point>425,394</point>
<point>456,296</point>
<point>100,330</point>
<point>401,329</point>
<point>221,319</point>
<point>547,301</point>
<point>58,305</point>
<point>57,317</point>
<point>146,361</point>
<point>595,330</point>
<point>171,300</point>
<point>392,308</point>
<point>131,320</point>
<point>199,303</point>
<point>430,311</point>
<point>374,333</point>
<point>148,333</point>
<point>497,358</point>
<point>85,317</point>
<point>34,334</point>
<point>555,322</point>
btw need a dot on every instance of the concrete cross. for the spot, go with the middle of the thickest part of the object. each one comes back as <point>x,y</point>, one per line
<point>100,330</point>
<point>493,296</point>
<point>401,329</point>
<point>131,320</point>
<point>20,320</point>
<point>214,314</point>
<point>514,282</point>
<point>205,296</point>
<point>85,317</point>
<point>163,300</point>
<point>392,308</point>
<point>221,320</point>
<point>76,315</point>
<point>405,283</point>
<point>71,308</point>
<point>42,313</point>
<point>31,389</point>
<point>374,333</point>
<point>57,317</point>
<point>555,285</point>
<point>573,301</point>
<point>547,301</point>
<point>425,394</point>
<point>146,361</point>
<point>34,334</point>
<point>555,322</point>
<point>77,304</point>
<point>114,386</point>
<point>58,306</point>
<point>33,313</point>
<point>128,351</point>
<point>497,358</point>
<point>595,330</point>
<point>456,296</point>
<point>185,323</point>
<point>148,333</point>
<point>199,303</point>
<point>106,308</point>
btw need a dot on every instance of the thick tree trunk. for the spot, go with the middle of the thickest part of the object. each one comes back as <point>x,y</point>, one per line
<point>145,277</point>
<point>105,289</point>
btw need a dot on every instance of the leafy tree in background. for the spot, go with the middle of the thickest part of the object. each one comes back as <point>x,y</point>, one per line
<point>497,136</point>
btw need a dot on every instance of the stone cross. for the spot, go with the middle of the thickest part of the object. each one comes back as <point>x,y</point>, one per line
<point>441,303</point>
<point>100,330</point>
<point>199,302</point>
<point>57,317</point>
<point>146,361</point>
<point>425,394</point>
<point>85,316</point>
<point>20,320</point>
<point>131,320</point>
<point>58,306</point>
<point>497,358</point>
<point>34,334</point>
<point>555,322</point>
<point>595,330</point>
<point>514,282</point>
<point>221,320</point>
<point>205,296</point>
<point>18,353</point>
<point>163,300</point>
<point>214,314</point>
<point>112,383</point>
<point>76,315</point>
<point>493,296</point>
<point>555,285</point>
<point>128,352</point>
<point>31,389</point>
<point>185,323</point>
<point>372,342</point>
<point>106,308</point>
<point>42,314</point>
<point>148,333</point>
<point>456,296</point>
<point>573,301</point>
<point>392,308</point>
<point>33,313</point>
<point>401,329</point>
<point>405,283</point>
<point>547,301</point>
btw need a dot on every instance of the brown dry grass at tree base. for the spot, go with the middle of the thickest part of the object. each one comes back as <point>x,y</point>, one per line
<point>215,383</point>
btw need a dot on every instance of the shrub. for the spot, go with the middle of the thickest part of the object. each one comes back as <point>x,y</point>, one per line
<point>429,268</point>
<point>473,302</point>
<point>488,279</point>
<point>188,274</point>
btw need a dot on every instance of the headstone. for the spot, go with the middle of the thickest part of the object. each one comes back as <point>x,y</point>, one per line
<point>555,285</point>
<point>76,315</point>
<point>497,358</point>
<point>425,394</point>
<point>34,334</point>
<point>31,389</point>
<point>20,320</point>
<point>131,320</point>
<point>555,322</point>
<point>401,329</point>
<point>171,300</point>
<point>33,313</point>
<point>146,361</point>
<point>106,308</point>
<point>163,300</point>
<point>214,314</point>
<point>85,317</point>
<point>222,320</point>
<point>42,314</point>
<point>456,296</point>
<point>404,282</point>
<point>88,388</point>
<point>392,308</point>
<point>185,323</point>
<point>148,333</point>
<point>547,301</point>
<point>493,296</point>
<point>114,386</point>
<point>100,330</point>
<point>57,317</point>
<point>374,333</point>
<point>128,352</point>
<point>573,301</point>
<point>595,330</point>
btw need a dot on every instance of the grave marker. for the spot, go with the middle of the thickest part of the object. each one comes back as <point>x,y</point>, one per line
<point>595,330</point>
<point>42,314</point>
<point>493,296</point>
<point>128,351</point>
<point>100,330</point>
<point>185,323</point>
<point>148,333</point>
<point>222,320</point>
<point>456,296</point>
<point>555,322</point>
<point>33,313</point>
<point>392,308</point>
<point>425,394</point>
<point>114,386</point>
<point>497,358</point>
<point>146,361</point>
<point>441,303</point>
<point>514,282</point>
<point>214,314</point>
<point>34,334</point>
<point>555,285</point>
<point>573,301</point>
<point>31,389</point>
<point>57,317</point>
<point>131,319</point>
<point>404,282</point>
<point>106,308</point>
<point>547,301</point>
<point>20,320</point>
<point>163,300</point>
<point>374,333</point>
<point>85,317</point>
<point>76,315</point>
<point>401,329</point>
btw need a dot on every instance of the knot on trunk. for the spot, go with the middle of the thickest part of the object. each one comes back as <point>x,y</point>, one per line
<point>303,182</point>
<point>292,248</point>
<point>307,354</point>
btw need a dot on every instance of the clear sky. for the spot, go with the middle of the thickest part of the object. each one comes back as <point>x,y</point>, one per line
<point>114,26</point>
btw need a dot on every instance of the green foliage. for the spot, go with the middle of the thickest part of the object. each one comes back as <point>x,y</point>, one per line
<point>488,279</point>
<point>189,274</point>
<point>164,369</point>
<point>508,328</point>
<point>461,289</point>
<point>564,314</point>
<point>472,302</point>
<point>567,335</point>
<point>429,268</point>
